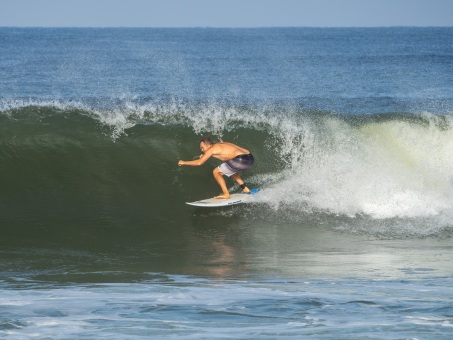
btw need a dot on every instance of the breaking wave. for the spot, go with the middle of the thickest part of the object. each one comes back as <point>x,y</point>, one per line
<point>385,174</point>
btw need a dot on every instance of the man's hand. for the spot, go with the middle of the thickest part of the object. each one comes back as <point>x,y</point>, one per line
<point>180,163</point>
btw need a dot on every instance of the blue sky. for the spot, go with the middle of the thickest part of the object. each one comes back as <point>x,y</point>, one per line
<point>225,13</point>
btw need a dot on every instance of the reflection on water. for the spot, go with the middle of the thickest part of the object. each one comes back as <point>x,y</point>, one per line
<point>232,245</point>
<point>229,243</point>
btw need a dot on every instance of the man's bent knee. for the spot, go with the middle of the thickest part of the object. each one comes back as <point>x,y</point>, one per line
<point>216,172</point>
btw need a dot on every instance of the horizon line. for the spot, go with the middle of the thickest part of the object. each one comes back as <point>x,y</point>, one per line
<point>234,27</point>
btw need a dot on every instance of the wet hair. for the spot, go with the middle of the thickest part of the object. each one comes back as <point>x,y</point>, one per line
<point>207,141</point>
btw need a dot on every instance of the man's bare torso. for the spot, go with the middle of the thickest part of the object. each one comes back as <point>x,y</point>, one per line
<point>226,151</point>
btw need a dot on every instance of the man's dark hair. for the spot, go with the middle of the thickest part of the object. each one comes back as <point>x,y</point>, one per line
<point>207,141</point>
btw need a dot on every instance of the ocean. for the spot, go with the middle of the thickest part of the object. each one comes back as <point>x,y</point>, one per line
<point>350,236</point>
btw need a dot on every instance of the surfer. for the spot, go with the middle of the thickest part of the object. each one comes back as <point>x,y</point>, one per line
<point>234,158</point>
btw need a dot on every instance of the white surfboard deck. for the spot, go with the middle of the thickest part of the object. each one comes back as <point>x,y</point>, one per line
<point>220,202</point>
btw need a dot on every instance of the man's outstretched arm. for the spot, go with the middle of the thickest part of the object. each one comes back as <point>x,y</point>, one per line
<point>197,162</point>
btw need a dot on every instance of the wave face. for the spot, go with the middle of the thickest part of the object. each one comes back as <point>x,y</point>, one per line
<point>388,174</point>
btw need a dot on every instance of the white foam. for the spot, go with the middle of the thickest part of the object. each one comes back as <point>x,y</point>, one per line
<point>192,308</point>
<point>384,170</point>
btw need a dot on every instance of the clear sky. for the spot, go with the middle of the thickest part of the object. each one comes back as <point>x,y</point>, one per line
<point>225,13</point>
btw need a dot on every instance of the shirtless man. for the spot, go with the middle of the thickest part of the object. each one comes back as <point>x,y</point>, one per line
<point>234,159</point>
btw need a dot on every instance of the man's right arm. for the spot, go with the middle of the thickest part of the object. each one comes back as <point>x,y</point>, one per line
<point>197,162</point>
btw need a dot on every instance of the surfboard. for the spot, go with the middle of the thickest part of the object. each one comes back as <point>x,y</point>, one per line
<point>233,200</point>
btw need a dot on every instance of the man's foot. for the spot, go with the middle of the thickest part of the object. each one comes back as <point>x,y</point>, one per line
<point>244,188</point>
<point>222,197</point>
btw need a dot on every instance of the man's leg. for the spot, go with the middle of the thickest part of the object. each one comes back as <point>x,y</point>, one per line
<point>239,181</point>
<point>219,178</point>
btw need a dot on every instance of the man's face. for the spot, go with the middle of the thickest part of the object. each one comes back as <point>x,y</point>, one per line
<point>203,147</point>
